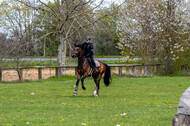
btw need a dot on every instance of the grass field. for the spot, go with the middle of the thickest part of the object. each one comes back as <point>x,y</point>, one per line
<point>127,101</point>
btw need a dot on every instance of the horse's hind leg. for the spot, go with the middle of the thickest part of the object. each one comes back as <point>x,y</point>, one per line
<point>97,81</point>
<point>97,88</point>
<point>77,83</point>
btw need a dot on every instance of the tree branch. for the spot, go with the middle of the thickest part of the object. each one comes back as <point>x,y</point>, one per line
<point>49,8</point>
<point>36,8</point>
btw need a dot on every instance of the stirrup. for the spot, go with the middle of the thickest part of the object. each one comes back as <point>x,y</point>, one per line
<point>95,69</point>
<point>90,74</point>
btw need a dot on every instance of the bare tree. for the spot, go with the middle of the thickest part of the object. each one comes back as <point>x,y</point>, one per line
<point>17,22</point>
<point>69,17</point>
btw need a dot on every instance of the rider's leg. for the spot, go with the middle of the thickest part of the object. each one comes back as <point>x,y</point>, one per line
<point>90,61</point>
<point>93,63</point>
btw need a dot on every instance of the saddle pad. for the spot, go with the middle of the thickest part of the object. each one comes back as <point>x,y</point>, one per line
<point>97,63</point>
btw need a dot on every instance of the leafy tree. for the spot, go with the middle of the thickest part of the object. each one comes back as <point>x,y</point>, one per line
<point>155,31</point>
<point>48,43</point>
<point>106,34</point>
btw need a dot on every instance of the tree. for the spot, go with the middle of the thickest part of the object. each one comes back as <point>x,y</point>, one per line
<point>67,16</point>
<point>154,30</point>
<point>16,22</point>
<point>106,33</point>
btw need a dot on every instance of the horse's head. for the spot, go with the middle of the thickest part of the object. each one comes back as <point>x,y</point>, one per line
<point>77,50</point>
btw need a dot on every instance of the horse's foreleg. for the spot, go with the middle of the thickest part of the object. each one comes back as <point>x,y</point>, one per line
<point>77,83</point>
<point>82,80</point>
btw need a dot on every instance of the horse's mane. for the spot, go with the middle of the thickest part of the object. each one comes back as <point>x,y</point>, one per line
<point>77,45</point>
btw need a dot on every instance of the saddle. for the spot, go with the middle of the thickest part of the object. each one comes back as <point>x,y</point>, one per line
<point>97,63</point>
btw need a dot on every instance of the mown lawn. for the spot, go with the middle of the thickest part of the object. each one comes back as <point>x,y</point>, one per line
<point>127,101</point>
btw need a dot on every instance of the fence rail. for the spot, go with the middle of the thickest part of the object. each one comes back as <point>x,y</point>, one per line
<point>119,66</point>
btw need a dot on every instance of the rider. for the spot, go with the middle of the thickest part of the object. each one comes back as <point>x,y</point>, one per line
<point>87,48</point>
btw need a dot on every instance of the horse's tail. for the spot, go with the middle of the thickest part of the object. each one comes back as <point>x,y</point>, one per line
<point>107,75</point>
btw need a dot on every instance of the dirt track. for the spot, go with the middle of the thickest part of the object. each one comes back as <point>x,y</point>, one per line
<point>32,74</point>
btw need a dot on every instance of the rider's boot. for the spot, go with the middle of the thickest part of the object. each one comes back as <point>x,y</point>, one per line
<point>95,68</point>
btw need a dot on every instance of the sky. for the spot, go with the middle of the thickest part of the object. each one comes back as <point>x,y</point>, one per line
<point>106,3</point>
<point>109,2</point>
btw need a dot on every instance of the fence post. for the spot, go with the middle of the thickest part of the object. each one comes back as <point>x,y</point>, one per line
<point>20,74</point>
<point>0,74</point>
<point>39,73</point>
<point>75,70</point>
<point>57,71</point>
<point>120,71</point>
<point>145,70</point>
<point>134,70</point>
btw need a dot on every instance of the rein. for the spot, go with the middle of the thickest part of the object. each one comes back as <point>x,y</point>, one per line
<point>85,61</point>
<point>82,65</point>
<point>82,61</point>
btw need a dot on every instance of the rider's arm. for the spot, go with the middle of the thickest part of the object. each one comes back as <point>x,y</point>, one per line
<point>83,50</point>
<point>82,46</point>
<point>91,49</point>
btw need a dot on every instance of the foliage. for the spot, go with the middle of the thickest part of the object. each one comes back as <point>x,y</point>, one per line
<point>45,24</point>
<point>128,101</point>
<point>17,24</point>
<point>30,21</point>
<point>106,36</point>
<point>156,32</point>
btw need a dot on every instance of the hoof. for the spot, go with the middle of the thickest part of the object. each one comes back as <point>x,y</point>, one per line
<point>75,93</point>
<point>84,88</point>
<point>95,95</point>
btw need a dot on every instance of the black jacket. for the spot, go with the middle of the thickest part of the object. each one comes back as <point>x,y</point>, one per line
<point>87,49</point>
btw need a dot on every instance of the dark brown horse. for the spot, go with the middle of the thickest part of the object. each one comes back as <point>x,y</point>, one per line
<point>84,70</point>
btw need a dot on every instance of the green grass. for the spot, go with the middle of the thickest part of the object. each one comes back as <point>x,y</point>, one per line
<point>54,63</point>
<point>109,56</point>
<point>146,101</point>
<point>48,63</point>
<point>34,63</point>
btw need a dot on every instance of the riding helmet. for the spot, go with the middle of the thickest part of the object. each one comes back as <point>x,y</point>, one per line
<point>87,38</point>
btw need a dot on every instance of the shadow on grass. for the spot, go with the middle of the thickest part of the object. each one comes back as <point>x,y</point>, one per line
<point>84,96</point>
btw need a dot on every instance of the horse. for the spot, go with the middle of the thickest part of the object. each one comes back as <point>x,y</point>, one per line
<point>84,70</point>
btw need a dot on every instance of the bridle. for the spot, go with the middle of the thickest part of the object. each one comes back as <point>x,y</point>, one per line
<point>76,54</point>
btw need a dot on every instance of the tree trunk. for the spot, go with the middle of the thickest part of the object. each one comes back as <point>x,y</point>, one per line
<point>61,56</point>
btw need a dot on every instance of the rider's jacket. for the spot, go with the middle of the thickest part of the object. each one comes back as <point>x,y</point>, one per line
<point>87,49</point>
